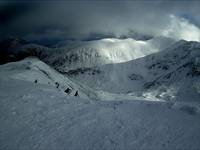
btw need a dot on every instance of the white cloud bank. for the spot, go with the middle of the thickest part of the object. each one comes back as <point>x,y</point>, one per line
<point>180,28</point>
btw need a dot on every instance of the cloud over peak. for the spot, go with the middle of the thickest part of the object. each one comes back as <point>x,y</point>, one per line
<point>180,28</point>
<point>78,19</point>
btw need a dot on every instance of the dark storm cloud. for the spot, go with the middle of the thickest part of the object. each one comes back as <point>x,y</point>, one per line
<point>10,11</point>
<point>75,19</point>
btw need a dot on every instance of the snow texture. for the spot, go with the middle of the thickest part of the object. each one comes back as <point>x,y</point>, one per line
<point>141,100</point>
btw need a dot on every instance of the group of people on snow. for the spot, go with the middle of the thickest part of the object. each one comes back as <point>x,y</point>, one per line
<point>68,90</point>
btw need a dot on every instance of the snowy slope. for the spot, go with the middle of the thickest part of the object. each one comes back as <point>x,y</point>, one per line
<point>41,116</point>
<point>158,68</point>
<point>166,75</point>
<point>38,116</point>
<point>31,69</point>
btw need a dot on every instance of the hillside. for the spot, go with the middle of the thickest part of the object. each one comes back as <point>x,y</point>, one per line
<point>40,116</point>
<point>35,71</point>
<point>151,102</point>
<point>169,74</point>
<point>104,51</point>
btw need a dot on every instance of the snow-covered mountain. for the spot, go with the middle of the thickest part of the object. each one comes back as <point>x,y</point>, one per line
<point>36,113</point>
<point>8,47</point>
<point>105,51</point>
<point>39,116</point>
<point>72,55</point>
<point>33,70</point>
<point>169,74</point>
<point>159,68</point>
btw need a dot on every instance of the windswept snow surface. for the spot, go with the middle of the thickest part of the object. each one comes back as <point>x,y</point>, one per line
<point>31,69</point>
<point>39,116</point>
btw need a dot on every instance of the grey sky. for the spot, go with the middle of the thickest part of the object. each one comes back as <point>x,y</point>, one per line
<point>76,19</point>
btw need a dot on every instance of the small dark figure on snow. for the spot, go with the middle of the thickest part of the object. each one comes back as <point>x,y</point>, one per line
<point>35,81</point>
<point>57,85</point>
<point>68,91</point>
<point>76,94</point>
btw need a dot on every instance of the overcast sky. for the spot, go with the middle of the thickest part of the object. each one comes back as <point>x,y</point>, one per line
<point>77,19</point>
